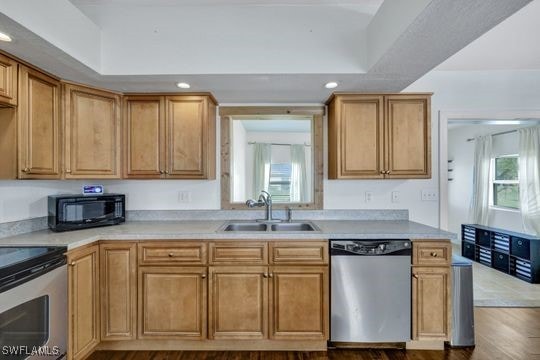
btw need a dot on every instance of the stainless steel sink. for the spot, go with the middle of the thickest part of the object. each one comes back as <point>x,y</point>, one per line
<point>245,227</point>
<point>303,226</point>
<point>268,227</point>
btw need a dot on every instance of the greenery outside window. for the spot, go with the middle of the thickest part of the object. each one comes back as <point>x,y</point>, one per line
<point>505,181</point>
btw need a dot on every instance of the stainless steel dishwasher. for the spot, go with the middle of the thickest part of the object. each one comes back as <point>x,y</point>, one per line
<point>370,291</point>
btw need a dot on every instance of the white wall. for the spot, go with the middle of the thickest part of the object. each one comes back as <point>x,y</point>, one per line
<point>460,188</point>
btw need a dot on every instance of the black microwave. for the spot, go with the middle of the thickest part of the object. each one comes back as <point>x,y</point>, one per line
<point>73,212</point>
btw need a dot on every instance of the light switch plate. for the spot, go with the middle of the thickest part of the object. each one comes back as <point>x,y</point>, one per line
<point>430,195</point>
<point>184,196</point>
<point>395,196</point>
<point>368,196</point>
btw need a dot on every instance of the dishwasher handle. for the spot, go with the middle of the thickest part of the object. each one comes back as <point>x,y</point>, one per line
<point>398,247</point>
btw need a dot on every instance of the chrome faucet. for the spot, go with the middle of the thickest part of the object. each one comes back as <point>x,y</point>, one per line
<point>265,199</point>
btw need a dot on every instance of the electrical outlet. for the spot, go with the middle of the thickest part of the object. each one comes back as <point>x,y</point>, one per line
<point>430,195</point>
<point>184,196</point>
<point>369,196</point>
<point>395,196</point>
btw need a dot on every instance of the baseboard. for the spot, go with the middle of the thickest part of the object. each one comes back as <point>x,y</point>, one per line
<point>425,345</point>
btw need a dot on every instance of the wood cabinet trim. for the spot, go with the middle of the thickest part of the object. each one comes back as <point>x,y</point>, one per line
<point>8,89</point>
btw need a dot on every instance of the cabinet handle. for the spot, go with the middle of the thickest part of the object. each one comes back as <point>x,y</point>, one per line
<point>388,172</point>
<point>383,172</point>
<point>434,254</point>
<point>415,276</point>
<point>161,172</point>
<point>271,275</point>
<point>26,170</point>
<point>265,275</point>
<point>203,276</point>
<point>73,263</point>
<point>520,242</point>
<point>166,172</point>
<point>68,171</point>
<point>171,254</point>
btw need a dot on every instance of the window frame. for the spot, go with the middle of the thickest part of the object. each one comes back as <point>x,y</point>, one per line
<point>493,182</point>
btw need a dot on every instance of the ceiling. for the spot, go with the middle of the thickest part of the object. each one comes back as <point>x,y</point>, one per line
<point>246,51</point>
<point>513,44</point>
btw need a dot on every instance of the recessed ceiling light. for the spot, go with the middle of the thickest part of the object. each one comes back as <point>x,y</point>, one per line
<point>183,85</point>
<point>331,85</point>
<point>5,37</point>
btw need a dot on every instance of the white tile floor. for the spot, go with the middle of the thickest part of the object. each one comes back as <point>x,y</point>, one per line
<point>495,288</point>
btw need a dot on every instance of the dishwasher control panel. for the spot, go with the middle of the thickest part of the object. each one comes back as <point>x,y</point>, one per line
<point>370,247</point>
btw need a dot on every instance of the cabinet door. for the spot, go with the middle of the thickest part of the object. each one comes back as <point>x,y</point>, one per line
<point>172,302</point>
<point>8,81</point>
<point>355,140</point>
<point>238,302</point>
<point>39,125</point>
<point>431,303</point>
<point>408,149</point>
<point>92,133</point>
<point>144,134</point>
<point>118,275</point>
<point>83,280</point>
<point>189,139</point>
<point>299,302</point>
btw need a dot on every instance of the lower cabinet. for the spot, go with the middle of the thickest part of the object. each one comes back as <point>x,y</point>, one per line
<point>172,302</point>
<point>299,302</point>
<point>83,285</point>
<point>238,302</point>
<point>431,291</point>
<point>118,277</point>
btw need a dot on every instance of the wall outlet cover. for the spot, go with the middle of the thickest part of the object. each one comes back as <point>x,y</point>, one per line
<point>184,196</point>
<point>430,195</point>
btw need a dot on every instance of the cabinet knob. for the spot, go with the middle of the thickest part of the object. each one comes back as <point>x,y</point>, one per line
<point>68,171</point>
<point>265,275</point>
<point>26,169</point>
<point>415,276</point>
<point>167,172</point>
<point>171,254</point>
<point>383,172</point>
<point>434,254</point>
<point>388,172</point>
<point>271,275</point>
<point>72,263</point>
<point>203,276</point>
<point>161,172</point>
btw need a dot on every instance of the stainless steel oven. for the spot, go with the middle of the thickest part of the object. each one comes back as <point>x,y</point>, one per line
<point>33,303</point>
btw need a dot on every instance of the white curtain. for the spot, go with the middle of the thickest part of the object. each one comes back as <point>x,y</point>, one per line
<point>479,208</point>
<point>262,158</point>
<point>298,192</point>
<point>529,178</point>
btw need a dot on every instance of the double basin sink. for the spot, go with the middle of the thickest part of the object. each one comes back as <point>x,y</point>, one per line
<point>272,227</point>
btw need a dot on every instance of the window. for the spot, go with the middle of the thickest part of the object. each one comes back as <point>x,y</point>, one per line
<point>280,182</point>
<point>506,181</point>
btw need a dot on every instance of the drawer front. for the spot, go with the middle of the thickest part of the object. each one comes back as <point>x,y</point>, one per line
<point>188,252</point>
<point>239,252</point>
<point>435,253</point>
<point>500,261</point>
<point>299,252</point>
<point>520,248</point>
<point>468,250</point>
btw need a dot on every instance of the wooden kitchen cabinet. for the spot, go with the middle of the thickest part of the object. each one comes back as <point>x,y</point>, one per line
<point>8,81</point>
<point>118,277</point>
<point>39,126</point>
<point>169,137</point>
<point>172,302</point>
<point>83,298</point>
<point>379,136</point>
<point>92,133</point>
<point>238,302</point>
<point>299,302</point>
<point>431,290</point>
<point>144,137</point>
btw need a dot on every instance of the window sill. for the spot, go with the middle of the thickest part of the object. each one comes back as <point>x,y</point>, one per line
<point>505,209</point>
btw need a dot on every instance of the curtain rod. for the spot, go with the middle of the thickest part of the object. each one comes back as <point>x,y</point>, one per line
<point>497,134</point>
<point>277,144</point>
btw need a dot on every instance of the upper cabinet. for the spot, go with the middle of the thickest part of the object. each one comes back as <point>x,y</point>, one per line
<point>39,126</point>
<point>379,136</point>
<point>8,81</point>
<point>170,137</point>
<point>92,133</point>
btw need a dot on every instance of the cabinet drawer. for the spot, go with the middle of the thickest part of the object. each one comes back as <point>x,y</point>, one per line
<point>188,252</point>
<point>432,253</point>
<point>239,252</point>
<point>300,252</point>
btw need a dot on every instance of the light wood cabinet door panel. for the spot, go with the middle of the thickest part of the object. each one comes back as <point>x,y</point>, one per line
<point>431,303</point>
<point>238,302</point>
<point>39,126</point>
<point>432,253</point>
<point>144,134</point>
<point>356,148</point>
<point>408,150</point>
<point>299,302</point>
<point>83,280</point>
<point>188,137</point>
<point>8,81</point>
<point>92,133</point>
<point>172,302</point>
<point>118,276</point>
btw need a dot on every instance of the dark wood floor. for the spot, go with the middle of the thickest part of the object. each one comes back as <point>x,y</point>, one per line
<point>501,333</point>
